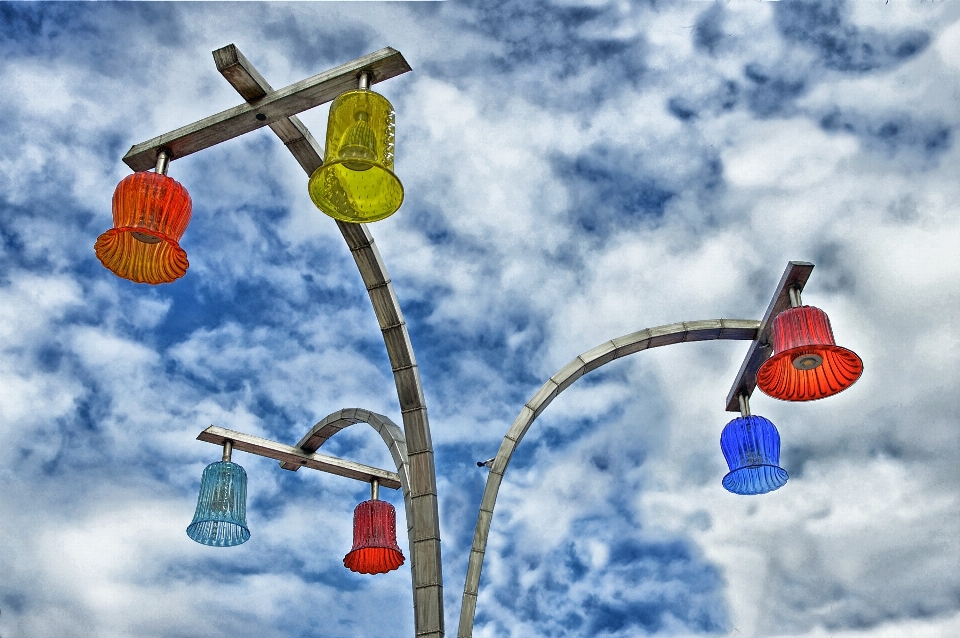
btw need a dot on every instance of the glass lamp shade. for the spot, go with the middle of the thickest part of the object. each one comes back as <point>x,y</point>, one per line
<point>356,182</point>
<point>150,213</point>
<point>751,446</point>
<point>806,364</point>
<point>375,549</point>
<point>221,517</point>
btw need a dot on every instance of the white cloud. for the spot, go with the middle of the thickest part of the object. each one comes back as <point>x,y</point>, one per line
<point>519,128</point>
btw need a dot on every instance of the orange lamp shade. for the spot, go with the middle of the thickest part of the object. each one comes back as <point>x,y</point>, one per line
<point>150,213</point>
<point>375,549</point>
<point>806,364</point>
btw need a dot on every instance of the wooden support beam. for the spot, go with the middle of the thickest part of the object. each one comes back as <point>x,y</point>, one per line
<point>248,82</point>
<point>290,454</point>
<point>794,276</point>
<point>267,109</point>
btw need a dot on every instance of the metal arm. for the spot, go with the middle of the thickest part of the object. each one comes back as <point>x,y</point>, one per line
<point>590,360</point>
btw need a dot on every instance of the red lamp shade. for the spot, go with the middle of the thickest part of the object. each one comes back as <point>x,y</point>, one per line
<point>150,213</point>
<point>375,549</point>
<point>806,364</point>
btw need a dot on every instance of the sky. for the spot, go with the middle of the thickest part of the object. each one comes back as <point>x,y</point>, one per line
<point>574,170</point>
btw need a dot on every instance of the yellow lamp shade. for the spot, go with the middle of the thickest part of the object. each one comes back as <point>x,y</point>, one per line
<point>356,182</point>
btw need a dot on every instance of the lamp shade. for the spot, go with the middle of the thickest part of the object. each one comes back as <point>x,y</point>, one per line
<point>375,549</point>
<point>806,364</point>
<point>150,213</point>
<point>356,182</point>
<point>751,446</point>
<point>221,516</point>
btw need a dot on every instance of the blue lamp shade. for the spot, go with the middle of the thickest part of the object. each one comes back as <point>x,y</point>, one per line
<point>751,445</point>
<point>221,517</point>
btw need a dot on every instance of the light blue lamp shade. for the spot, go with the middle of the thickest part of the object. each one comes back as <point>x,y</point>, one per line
<point>751,445</point>
<point>221,517</point>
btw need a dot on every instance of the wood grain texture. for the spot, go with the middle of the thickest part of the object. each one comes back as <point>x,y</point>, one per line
<point>730,329</point>
<point>272,106</point>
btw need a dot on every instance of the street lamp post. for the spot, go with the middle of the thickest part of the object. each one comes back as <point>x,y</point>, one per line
<point>410,447</point>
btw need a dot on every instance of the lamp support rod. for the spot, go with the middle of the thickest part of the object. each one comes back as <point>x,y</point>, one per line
<point>795,300</point>
<point>163,161</point>
<point>794,278</point>
<point>268,108</point>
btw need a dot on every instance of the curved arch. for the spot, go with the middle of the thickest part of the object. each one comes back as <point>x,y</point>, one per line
<point>738,329</point>
<point>392,436</point>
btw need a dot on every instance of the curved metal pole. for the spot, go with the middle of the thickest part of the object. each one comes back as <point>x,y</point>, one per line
<point>603,354</point>
<point>422,511</point>
<point>391,434</point>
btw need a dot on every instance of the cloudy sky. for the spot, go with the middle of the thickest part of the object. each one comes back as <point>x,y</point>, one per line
<point>574,171</point>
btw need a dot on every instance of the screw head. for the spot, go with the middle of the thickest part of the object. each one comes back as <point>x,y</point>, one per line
<point>807,361</point>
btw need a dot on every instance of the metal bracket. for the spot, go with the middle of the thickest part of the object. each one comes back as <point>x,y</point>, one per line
<point>795,276</point>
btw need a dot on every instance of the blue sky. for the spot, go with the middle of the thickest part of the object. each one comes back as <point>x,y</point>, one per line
<point>574,171</point>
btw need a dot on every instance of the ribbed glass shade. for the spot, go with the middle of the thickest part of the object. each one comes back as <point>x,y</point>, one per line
<point>375,549</point>
<point>150,213</point>
<point>806,364</point>
<point>356,182</point>
<point>751,446</point>
<point>221,517</point>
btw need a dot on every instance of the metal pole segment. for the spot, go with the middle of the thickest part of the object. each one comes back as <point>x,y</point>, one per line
<point>227,450</point>
<point>364,80</point>
<point>794,276</point>
<point>420,490</point>
<point>744,404</point>
<point>374,490</point>
<point>795,300</point>
<point>567,376</point>
<point>163,161</point>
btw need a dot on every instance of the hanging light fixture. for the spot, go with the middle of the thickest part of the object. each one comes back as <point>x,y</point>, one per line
<point>221,516</point>
<point>375,549</point>
<point>150,213</point>
<point>751,446</point>
<point>806,364</point>
<point>356,182</point>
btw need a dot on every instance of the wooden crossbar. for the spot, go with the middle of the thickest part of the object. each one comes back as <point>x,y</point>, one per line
<point>290,454</point>
<point>271,107</point>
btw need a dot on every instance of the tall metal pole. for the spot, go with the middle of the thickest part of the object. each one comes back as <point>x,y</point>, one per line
<point>424,532</point>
